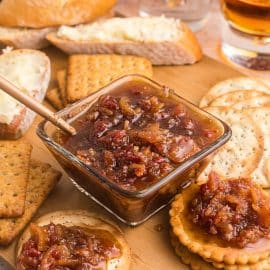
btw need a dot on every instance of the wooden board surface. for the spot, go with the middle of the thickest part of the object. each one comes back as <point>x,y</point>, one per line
<point>151,249</point>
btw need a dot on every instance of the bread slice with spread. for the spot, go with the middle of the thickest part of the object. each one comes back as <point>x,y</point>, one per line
<point>164,41</point>
<point>30,71</point>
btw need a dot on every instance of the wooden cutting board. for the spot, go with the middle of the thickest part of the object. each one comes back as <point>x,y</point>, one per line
<point>150,242</point>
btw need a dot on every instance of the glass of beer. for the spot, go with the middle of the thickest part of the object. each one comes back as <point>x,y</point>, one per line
<point>193,12</point>
<point>246,33</point>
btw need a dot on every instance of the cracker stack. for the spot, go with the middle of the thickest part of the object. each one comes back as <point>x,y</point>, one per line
<point>244,103</point>
<point>86,74</point>
<point>197,262</point>
<point>24,185</point>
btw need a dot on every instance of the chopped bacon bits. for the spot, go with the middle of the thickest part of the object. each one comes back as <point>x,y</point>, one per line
<point>137,137</point>
<point>235,210</point>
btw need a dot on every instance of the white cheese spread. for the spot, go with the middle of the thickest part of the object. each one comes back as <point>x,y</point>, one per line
<point>24,70</point>
<point>124,29</point>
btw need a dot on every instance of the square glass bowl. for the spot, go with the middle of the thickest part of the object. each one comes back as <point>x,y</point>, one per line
<point>131,207</point>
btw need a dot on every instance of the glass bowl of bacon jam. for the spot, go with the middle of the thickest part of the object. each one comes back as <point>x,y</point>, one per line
<point>138,143</point>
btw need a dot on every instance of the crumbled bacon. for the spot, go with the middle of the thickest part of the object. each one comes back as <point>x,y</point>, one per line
<point>115,138</point>
<point>152,133</point>
<point>137,137</point>
<point>125,106</point>
<point>235,210</point>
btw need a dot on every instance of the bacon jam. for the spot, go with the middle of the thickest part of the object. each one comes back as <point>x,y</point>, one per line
<point>57,247</point>
<point>135,135</point>
<point>235,210</point>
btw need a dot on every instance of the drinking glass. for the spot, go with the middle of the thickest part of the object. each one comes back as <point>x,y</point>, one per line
<point>246,32</point>
<point>193,12</point>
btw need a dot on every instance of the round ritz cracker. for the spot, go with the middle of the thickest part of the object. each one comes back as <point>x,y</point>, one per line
<point>209,247</point>
<point>260,265</point>
<point>197,263</point>
<point>261,174</point>
<point>260,116</point>
<point>233,97</point>
<point>241,155</point>
<point>230,85</point>
<point>258,101</point>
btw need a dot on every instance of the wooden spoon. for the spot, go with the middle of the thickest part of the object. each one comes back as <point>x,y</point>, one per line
<point>35,106</point>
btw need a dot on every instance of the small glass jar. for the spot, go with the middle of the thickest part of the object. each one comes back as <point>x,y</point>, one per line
<point>193,12</point>
<point>130,207</point>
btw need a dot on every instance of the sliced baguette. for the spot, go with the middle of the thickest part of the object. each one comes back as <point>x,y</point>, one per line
<point>30,71</point>
<point>164,41</point>
<point>86,220</point>
<point>25,38</point>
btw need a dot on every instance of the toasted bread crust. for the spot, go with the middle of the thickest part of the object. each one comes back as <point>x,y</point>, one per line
<point>186,51</point>
<point>46,13</point>
<point>190,43</point>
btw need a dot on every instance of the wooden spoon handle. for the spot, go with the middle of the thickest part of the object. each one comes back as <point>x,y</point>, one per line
<point>35,106</point>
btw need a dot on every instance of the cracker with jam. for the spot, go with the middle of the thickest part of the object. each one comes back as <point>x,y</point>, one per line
<point>224,222</point>
<point>197,263</point>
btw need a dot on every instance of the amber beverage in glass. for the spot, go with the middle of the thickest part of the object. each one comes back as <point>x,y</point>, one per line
<point>248,29</point>
<point>250,16</point>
